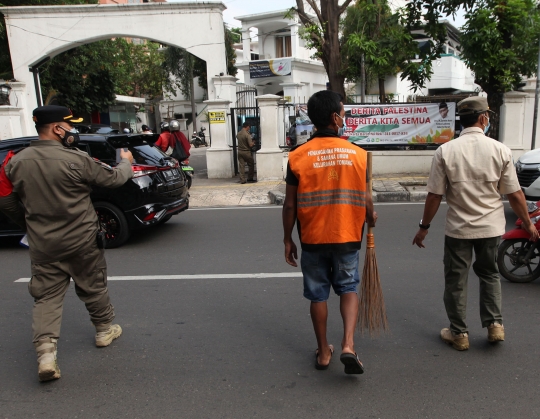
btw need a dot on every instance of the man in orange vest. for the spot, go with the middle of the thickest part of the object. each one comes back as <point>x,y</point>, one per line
<point>326,192</point>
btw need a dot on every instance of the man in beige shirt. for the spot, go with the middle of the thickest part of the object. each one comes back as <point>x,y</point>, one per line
<point>472,171</point>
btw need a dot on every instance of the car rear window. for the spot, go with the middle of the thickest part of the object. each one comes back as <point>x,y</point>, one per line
<point>143,152</point>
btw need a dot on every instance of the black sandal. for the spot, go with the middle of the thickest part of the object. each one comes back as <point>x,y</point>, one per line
<point>320,366</point>
<point>352,363</point>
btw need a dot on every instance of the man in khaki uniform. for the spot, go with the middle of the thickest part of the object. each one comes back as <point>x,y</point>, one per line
<point>473,171</point>
<point>53,182</point>
<point>244,154</point>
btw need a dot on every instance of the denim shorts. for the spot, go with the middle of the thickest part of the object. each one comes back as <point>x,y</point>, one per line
<point>324,269</point>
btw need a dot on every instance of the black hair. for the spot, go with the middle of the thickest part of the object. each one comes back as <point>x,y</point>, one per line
<point>246,124</point>
<point>144,127</point>
<point>469,120</point>
<point>43,128</point>
<point>322,106</point>
<point>443,105</point>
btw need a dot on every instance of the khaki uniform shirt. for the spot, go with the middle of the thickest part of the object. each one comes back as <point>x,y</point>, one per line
<point>244,140</point>
<point>473,170</point>
<point>54,185</point>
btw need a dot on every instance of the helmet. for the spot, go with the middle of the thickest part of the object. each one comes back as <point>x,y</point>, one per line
<point>164,126</point>
<point>126,130</point>
<point>174,125</point>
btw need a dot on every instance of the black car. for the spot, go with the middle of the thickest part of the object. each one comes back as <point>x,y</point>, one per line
<point>158,190</point>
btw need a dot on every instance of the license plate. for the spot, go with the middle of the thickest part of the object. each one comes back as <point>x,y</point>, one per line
<point>170,174</point>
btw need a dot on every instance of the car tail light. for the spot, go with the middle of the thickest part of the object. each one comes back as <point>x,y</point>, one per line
<point>143,170</point>
<point>149,216</point>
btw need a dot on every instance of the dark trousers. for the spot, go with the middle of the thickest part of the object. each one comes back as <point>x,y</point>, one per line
<point>243,158</point>
<point>50,282</point>
<point>457,262</point>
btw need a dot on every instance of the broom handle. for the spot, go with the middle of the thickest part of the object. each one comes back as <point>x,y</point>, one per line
<point>370,182</point>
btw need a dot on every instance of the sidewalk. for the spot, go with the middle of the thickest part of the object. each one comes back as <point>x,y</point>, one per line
<point>228,192</point>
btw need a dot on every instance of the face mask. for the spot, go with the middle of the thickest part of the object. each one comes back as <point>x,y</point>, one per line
<point>486,129</point>
<point>341,131</point>
<point>71,138</point>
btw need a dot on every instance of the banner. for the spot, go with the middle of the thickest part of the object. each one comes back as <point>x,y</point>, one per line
<point>270,68</point>
<point>399,124</point>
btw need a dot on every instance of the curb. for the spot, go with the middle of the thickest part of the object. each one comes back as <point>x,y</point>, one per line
<point>276,197</point>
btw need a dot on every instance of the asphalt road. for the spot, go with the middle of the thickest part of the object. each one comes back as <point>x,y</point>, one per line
<point>244,348</point>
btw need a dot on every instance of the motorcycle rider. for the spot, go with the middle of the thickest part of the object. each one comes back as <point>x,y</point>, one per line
<point>164,140</point>
<point>177,135</point>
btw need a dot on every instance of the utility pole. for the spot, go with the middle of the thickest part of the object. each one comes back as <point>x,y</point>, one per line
<point>363,81</point>
<point>536,94</point>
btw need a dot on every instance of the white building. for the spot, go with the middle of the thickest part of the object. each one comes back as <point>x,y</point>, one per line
<point>450,74</point>
<point>278,61</point>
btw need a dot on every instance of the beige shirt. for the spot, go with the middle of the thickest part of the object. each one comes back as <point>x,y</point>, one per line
<point>244,140</point>
<point>473,171</point>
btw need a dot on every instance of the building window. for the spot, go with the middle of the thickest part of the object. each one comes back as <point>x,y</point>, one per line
<point>283,46</point>
<point>254,57</point>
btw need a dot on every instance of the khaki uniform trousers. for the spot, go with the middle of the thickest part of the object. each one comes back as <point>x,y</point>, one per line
<point>457,262</point>
<point>50,282</point>
<point>243,158</point>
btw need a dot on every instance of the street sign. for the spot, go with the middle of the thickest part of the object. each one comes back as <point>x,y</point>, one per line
<point>216,117</point>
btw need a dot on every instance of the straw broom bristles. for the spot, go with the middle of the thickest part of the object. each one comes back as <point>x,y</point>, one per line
<point>371,309</point>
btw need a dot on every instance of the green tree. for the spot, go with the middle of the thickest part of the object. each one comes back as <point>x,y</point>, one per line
<point>372,31</point>
<point>323,34</point>
<point>500,45</point>
<point>87,78</point>
<point>427,15</point>
<point>6,70</point>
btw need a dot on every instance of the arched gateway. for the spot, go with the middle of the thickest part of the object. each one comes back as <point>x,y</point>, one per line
<point>37,33</point>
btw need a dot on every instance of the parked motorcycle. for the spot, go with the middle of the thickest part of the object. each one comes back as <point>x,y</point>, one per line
<point>199,139</point>
<point>188,171</point>
<point>518,258</point>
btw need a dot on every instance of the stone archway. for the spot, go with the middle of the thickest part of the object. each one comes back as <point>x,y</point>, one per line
<point>37,33</point>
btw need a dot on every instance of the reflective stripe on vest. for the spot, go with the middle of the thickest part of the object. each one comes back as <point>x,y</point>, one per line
<point>333,196</point>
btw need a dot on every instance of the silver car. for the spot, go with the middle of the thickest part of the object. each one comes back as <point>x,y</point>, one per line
<point>528,172</point>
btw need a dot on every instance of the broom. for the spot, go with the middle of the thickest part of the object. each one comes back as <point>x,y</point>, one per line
<point>371,310</point>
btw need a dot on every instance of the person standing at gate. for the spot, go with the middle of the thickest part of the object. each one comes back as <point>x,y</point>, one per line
<point>244,154</point>
<point>53,181</point>
<point>472,171</point>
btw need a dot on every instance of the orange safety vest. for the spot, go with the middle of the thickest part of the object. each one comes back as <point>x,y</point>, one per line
<point>331,206</point>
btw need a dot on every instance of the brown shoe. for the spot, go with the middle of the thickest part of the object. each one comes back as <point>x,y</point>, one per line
<point>105,337</point>
<point>47,364</point>
<point>458,341</point>
<point>495,332</point>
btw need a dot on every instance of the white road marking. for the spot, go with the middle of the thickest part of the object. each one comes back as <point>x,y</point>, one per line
<point>205,276</point>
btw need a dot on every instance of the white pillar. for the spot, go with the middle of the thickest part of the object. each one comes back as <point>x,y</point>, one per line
<point>512,119</point>
<point>270,156</point>
<point>10,122</point>
<point>20,97</point>
<point>293,90</point>
<point>219,157</point>
<point>295,39</point>
<point>246,45</point>
<point>225,88</point>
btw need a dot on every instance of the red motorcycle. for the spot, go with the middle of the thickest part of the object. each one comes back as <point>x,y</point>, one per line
<point>518,258</point>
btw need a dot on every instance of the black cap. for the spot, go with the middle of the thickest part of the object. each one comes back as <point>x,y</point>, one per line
<point>52,113</point>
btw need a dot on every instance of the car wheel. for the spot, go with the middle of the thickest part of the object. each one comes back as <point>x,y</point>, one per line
<point>511,262</point>
<point>165,219</point>
<point>113,222</point>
